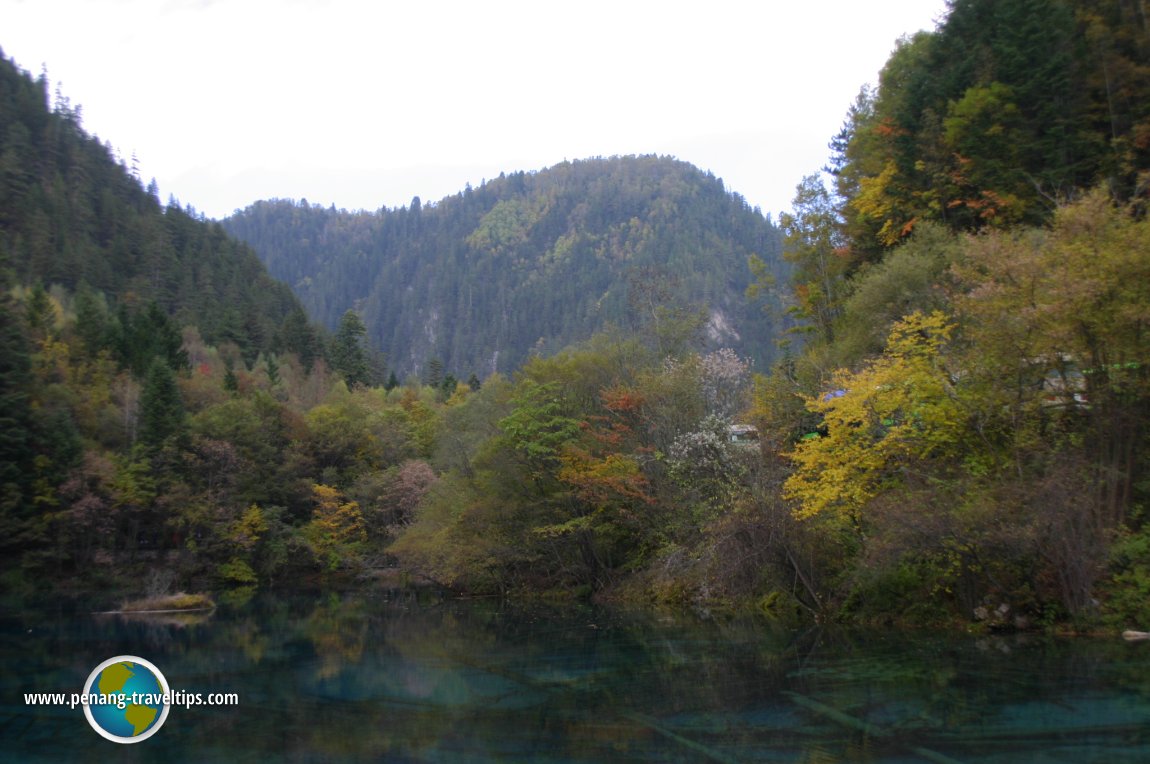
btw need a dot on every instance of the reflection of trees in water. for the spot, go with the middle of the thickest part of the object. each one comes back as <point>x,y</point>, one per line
<point>402,675</point>
<point>158,631</point>
<point>416,676</point>
<point>337,629</point>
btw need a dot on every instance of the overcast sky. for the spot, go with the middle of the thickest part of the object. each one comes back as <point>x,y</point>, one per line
<point>367,103</point>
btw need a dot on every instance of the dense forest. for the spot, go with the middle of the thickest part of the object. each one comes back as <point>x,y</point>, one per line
<point>968,421</point>
<point>528,263</point>
<point>961,434</point>
<point>958,435</point>
<point>109,297</point>
<point>171,418</point>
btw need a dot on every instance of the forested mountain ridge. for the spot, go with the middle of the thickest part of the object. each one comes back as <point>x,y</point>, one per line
<point>527,263</point>
<point>73,213</point>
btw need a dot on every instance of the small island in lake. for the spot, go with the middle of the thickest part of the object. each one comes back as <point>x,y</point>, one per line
<point>166,603</point>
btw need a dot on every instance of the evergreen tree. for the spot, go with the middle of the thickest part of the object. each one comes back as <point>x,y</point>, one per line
<point>162,413</point>
<point>348,355</point>
<point>38,313</point>
<point>447,387</point>
<point>434,373</point>
<point>297,336</point>
<point>231,382</point>
<point>814,244</point>
<point>146,335</point>
<point>272,369</point>
<point>56,447</point>
<point>91,318</point>
<point>168,343</point>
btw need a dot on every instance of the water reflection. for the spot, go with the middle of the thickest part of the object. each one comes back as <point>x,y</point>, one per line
<point>407,677</point>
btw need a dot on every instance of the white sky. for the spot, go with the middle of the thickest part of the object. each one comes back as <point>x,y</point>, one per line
<point>367,103</point>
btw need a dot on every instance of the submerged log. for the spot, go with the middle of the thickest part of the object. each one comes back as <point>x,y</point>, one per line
<point>693,745</point>
<point>866,728</point>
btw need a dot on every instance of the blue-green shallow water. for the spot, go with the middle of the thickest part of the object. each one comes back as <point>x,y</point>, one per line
<point>390,678</point>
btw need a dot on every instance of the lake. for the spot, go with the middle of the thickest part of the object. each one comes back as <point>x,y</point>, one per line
<point>409,677</point>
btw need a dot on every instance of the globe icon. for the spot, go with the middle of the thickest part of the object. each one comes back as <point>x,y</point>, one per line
<point>136,699</point>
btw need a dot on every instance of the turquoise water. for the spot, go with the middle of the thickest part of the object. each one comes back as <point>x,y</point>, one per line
<point>380,677</point>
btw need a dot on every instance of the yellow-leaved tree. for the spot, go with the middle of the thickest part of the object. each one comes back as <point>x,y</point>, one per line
<point>336,531</point>
<point>880,423</point>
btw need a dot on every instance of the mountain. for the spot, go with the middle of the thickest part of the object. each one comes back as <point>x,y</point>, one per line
<point>71,212</point>
<point>527,263</point>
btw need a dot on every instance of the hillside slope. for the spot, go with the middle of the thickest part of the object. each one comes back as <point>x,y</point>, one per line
<point>526,263</point>
<point>72,212</point>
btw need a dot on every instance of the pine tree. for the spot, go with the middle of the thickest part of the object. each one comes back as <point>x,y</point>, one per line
<point>447,387</point>
<point>38,313</point>
<point>297,336</point>
<point>167,338</point>
<point>146,335</point>
<point>162,413</point>
<point>91,318</point>
<point>272,369</point>
<point>348,355</point>
<point>434,373</point>
<point>231,381</point>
